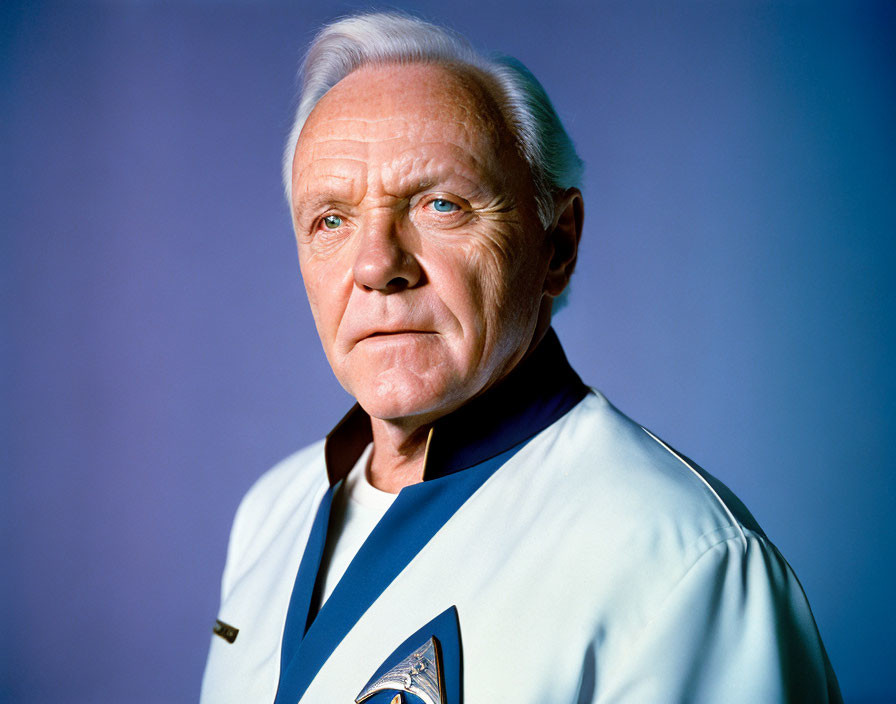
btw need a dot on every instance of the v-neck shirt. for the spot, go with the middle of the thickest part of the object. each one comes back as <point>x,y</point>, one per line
<point>357,507</point>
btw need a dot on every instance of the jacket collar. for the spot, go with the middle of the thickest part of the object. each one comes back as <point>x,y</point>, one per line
<point>541,389</point>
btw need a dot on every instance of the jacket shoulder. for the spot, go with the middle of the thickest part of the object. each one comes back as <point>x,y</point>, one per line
<point>295,472</point>
<point>621,467</point>
<point>270,502</point>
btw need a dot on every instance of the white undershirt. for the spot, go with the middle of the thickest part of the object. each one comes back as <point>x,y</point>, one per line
<point>357,508</point>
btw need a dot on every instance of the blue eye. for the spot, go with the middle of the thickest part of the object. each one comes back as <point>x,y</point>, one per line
<point>441,205</point>
<point>332,222</point>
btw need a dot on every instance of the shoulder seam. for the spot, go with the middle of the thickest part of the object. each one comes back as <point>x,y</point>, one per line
<point>703,481</point>
<point>684,575</point>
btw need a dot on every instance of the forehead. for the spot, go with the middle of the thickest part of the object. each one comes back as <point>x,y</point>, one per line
<point>403,107</point>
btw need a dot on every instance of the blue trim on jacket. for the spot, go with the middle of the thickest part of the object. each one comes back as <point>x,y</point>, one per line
<point>466,448</point>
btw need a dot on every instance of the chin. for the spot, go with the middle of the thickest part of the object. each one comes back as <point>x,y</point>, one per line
<point>393,396</point>
<point>393,381</point>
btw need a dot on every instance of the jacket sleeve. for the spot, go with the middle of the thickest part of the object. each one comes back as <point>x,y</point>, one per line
<point>736,627</point>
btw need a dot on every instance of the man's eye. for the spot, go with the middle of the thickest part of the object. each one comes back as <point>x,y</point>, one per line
<point>332,222</point>
<point>440,205</point>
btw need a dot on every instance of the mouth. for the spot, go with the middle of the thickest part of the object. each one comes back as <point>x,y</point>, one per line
<point>382,333</point>
<point>395,335</point>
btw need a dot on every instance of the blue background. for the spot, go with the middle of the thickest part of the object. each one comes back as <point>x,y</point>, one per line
<point>734,294</point>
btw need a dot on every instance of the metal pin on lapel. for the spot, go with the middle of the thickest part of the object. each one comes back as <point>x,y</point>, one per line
<point>420,674</point>
<point>225,630</point>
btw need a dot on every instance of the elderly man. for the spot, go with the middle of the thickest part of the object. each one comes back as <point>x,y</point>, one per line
<point>481,527</point>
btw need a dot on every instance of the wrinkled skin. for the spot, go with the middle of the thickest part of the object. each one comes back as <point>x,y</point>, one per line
<point>427,270</point>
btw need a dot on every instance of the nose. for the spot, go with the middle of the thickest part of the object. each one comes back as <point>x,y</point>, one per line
<point>383,263</point>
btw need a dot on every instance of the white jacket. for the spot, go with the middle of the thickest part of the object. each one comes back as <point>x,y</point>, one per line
<point>596,565</point>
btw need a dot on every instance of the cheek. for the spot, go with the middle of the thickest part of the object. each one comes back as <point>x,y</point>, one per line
<point>322,295</point>
<point>477,284</point>
<point>310,280</point>
<point>498,263</point>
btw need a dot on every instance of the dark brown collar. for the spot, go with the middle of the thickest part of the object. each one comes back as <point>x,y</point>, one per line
<point>541,389</point>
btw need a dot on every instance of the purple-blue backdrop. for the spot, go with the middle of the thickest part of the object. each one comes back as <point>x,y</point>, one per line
<point>734,294</point>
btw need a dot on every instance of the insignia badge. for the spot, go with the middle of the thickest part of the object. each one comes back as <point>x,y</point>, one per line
<point>419,674</point>
<point>225,630</point>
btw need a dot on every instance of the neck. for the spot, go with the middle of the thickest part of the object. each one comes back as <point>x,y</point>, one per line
<point>398,455</point>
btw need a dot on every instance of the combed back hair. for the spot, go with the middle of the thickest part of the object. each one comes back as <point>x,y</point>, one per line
<point>389,38</point>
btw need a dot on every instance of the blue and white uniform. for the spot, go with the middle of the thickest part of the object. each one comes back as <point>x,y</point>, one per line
<point>556,551</point>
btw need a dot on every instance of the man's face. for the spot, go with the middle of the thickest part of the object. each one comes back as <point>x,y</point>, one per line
<point>419,244</point>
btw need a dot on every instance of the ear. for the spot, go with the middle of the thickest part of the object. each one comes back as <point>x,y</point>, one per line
<point>563,238</point>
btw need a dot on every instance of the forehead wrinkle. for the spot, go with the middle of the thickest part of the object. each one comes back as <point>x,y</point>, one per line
<point>328,185</point>
<point>338,148</point>
<point>478,158</point>
<point>366,120</point>
<point>450,158</point>
<point>317,186</point>
<point>412,172</point>
<point>330,168</point>
<point>364,129</point>
<point>444,114</point>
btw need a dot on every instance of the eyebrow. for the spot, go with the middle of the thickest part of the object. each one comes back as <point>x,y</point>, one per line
<point>321,189</point>
<point>305,206</point>
<point>430,179</point>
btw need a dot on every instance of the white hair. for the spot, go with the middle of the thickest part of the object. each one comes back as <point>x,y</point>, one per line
<point>386,37</point>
